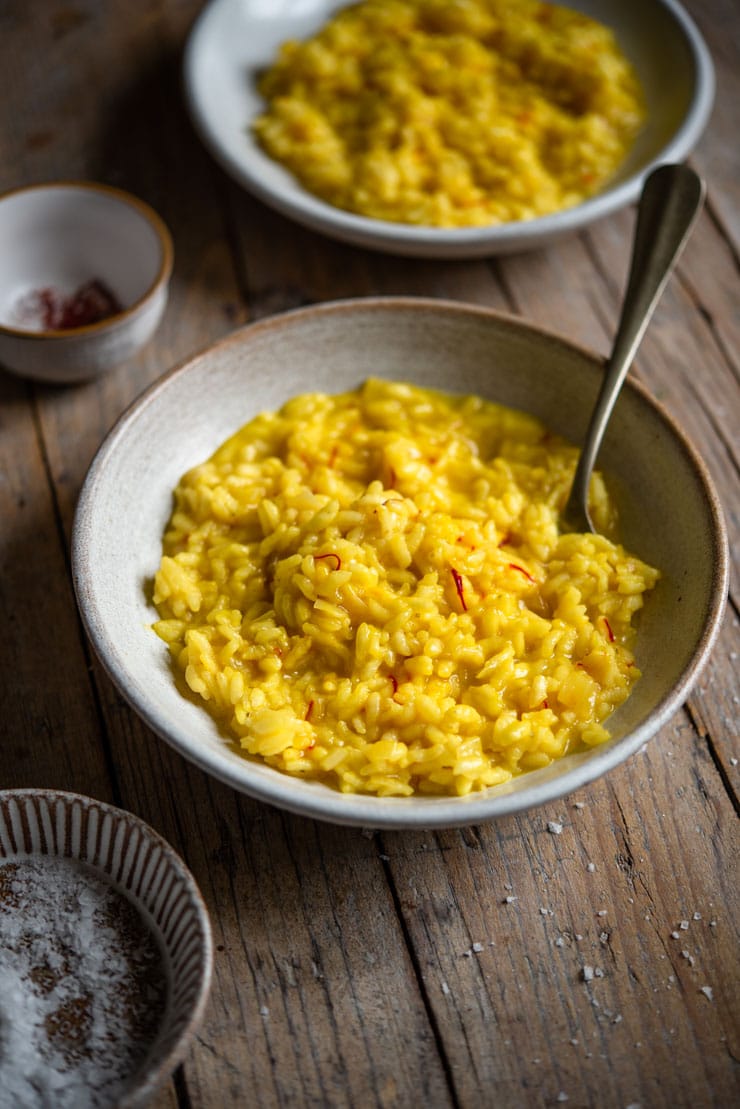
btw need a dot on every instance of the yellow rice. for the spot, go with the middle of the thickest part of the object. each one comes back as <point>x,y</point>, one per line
<point>452,114</point>
<point>370,589</point>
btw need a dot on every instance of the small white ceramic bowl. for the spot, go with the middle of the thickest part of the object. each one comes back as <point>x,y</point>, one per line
<point>129,856</point>
<point>59,236</point>
<point>234,39</point>
<point>669,514</point>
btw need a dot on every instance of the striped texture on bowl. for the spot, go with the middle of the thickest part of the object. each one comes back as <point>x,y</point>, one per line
<point>138,862</point>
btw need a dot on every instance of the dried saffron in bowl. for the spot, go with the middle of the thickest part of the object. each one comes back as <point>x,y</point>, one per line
<point>49,309</point>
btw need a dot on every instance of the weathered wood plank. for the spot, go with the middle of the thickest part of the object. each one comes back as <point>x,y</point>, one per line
<point>324,987</point>
<point>508,980</point>
<point>285,266</point>
<point>45,706</point>
<point>717,154</point>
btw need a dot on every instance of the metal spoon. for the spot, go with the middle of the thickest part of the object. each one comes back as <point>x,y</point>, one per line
<point>671,199</point>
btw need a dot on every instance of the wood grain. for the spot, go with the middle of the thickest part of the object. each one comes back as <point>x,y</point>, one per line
<point>506,965</point>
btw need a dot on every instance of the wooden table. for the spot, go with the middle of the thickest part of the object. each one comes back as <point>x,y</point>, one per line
<point>438,969</point>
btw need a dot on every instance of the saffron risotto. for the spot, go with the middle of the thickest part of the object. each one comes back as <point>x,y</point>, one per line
<point>459,114</point>
<point>370,589</point>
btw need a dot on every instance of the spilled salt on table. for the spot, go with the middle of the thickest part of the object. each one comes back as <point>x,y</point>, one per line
<point>83,986</point>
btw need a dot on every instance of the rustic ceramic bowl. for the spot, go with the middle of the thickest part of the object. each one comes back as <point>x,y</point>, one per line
<point>60,236</point>
<point>125,852</point>
<point>669,511</point>
<point>234,39</point>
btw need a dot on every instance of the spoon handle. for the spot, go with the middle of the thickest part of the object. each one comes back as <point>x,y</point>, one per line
<point>671,199</point>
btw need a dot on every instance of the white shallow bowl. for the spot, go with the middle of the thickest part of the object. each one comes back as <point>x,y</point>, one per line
<point>234,39</point>
<point>61,235</point>
<point>126,853</point>
<point>670,517</point>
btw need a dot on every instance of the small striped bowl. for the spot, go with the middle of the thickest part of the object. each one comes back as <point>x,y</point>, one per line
<point>136,860</point>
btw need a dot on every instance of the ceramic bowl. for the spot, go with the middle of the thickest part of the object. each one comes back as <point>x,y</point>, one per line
<point>234,39</point>
<point>54,239</point>
<point>139,869</point>
<point>670,517</point>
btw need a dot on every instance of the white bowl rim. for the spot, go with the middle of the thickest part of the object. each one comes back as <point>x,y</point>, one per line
<point>161,278</point>
<point>312,212</point>
<point>367,810</point>
<point>151,1078</point>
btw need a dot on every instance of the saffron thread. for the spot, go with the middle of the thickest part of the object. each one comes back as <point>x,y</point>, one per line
<point>459,587</point>
<point>330,554</point>
<point>528,576</point>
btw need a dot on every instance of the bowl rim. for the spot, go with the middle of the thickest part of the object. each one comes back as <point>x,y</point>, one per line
<point>360,809</point>
<point>150,1078</point>
<point>161,278</point>
<point>295,202</point>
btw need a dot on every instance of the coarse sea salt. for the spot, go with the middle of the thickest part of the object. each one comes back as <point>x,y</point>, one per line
<point>83,986</point>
